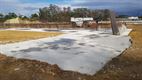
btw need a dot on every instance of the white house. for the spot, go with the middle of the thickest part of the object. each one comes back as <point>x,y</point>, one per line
<point>133,18</point>
<point>79,21</point>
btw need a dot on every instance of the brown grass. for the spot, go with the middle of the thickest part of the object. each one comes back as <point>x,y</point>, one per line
<point>16,36</point>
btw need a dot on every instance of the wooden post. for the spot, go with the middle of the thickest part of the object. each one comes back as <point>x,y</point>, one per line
<point>114,26</point>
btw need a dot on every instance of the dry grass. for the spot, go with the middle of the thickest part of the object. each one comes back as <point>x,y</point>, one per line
<point>16,36</point>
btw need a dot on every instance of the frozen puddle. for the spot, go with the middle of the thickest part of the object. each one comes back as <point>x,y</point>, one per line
<point>84,51</point>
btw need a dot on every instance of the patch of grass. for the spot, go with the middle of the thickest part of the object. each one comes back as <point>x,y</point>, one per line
<point>16,36</point>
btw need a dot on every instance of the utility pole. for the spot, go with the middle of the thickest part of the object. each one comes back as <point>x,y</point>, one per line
<point>114,25</point>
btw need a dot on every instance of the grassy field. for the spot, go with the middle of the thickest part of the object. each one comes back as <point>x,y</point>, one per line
<point>16,36</point>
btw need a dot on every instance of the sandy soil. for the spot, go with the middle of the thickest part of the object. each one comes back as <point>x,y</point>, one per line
<point>127,66</point>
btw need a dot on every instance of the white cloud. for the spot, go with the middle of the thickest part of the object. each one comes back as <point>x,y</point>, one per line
<point>27,8</point>
<point>23,8</point>
<point>118,5</point>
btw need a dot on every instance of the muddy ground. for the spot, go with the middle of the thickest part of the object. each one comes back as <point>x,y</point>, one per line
<point>127,66</point>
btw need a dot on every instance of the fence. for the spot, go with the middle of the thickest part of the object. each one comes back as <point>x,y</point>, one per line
<point>58,25</point>
<point>37,25</point>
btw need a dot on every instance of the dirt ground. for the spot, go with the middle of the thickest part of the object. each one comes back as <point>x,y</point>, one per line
<point>127,66</point>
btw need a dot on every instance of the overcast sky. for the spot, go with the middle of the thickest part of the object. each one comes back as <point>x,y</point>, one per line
<point>27,7</point>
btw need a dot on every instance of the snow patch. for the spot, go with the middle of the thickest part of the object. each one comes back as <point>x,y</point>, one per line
<point>84,51</point>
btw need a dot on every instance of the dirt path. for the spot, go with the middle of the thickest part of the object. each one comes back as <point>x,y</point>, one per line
<point>127,66</point>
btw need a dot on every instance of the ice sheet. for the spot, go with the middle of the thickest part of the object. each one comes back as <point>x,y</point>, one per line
<point>84,51</point>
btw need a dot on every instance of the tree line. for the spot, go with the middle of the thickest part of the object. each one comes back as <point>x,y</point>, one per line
<point>54,13</point>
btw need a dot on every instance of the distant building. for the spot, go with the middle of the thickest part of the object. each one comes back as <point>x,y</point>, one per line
<point>133,18</point>
<point>79,21</point>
